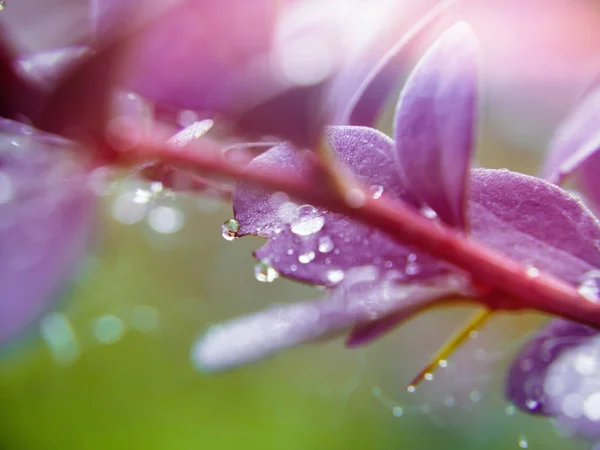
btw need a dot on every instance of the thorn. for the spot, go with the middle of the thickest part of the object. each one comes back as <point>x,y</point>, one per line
<point>440,359</point>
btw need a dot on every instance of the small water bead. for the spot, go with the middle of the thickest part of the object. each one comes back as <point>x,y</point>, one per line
<point>531,404</point>
<point>589,288</point>
<point>229,230</point>
<point>428,376</point>
<point>411,389</point>
<point>325,244</point>
<point>443,363</point>
<point>335,276</point>
<point>289,251</point>
<point>305,226</point>
<point>523,442</point>
<point>510,410</point>
<point>307,257</point>
<point>376,191</point>
<point>428,212</point>
<point>532,272</point>
<point>264,272</point>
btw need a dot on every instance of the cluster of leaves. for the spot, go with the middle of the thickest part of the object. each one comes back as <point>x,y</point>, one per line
<point>393,227</point>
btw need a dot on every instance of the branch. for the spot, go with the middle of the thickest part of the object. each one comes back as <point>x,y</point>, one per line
<point>508,277</point>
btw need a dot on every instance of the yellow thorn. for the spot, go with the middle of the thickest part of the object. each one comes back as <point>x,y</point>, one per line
<point>440,359</point>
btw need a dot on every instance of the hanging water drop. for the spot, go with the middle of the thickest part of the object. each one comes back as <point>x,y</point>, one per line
<point>307,257</point>
<point>428,212</point>
<point>264,272</point>
<point>589,288</point>
<point>335,276</point>
<point>229,230</point>
<point>325,244</point>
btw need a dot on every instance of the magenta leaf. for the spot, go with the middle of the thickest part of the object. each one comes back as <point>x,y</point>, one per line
<point>529,383</point>
<point>434,123</point>
<point>576,140</point>
<point>360,298</point>
<point>313,245</point>
<point>46,213</point>
<point>534,222</point>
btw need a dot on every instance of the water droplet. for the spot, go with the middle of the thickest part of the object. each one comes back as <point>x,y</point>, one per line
<point>397,411</point>
<point>229,230</point>
<point>411,389</point>
<point>165,219</point>
<point>532,272</point>
<point>589,288</point>
<point>443,363</point>
<point>335,276</point>
<point>510,410</point>
<point>376,191</point>
<point>325,244</point>
<point>307,257</point>
<point>289,251</point>
<point>428,212</point>
<point>264,272</point>
<point>523,442</point>
<point>531,404</point>
<point>428,376</point>
<point>306,226</point>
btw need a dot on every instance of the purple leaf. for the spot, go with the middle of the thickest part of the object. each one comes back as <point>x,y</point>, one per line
<point>527,384</point>
<point>313,245</point>
<point>435,122</point>
<point>535,222</point>
<point>258,335</point>
<point>529,220</point>
<point>45,223</point>
<point>575,140</point>
<point>571,384</point>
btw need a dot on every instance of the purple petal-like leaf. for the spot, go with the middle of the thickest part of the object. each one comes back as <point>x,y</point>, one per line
<point>576,140</point>
<point>571,386</point>
<point>45,223</point>
<point>534,222</point>
<point>360,298</point>
<point>527,384</point>
<point>435,121</point>
<point>313,245</point>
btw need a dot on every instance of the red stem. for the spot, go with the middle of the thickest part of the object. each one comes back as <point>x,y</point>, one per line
<point>542,292</point>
